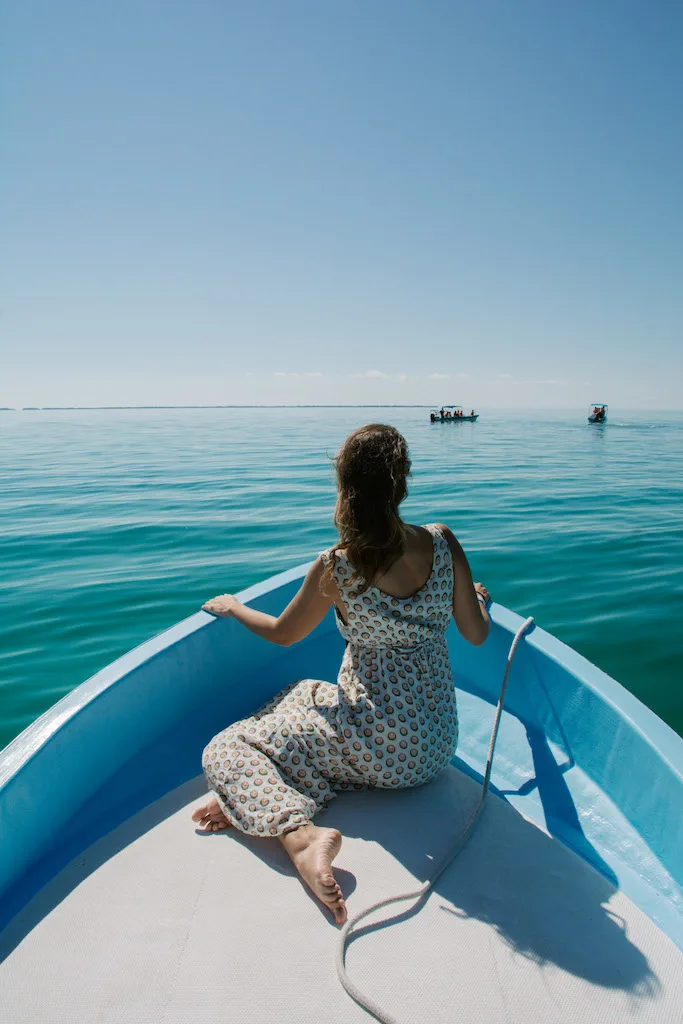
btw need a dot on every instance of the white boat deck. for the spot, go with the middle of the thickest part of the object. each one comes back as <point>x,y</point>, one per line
<point>157,924</point>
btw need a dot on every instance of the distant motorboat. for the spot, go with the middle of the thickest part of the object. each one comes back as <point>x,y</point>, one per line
<point>599,413</point>
<point>452,414</point>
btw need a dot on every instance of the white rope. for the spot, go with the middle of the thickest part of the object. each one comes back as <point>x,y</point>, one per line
<point>452,853</point>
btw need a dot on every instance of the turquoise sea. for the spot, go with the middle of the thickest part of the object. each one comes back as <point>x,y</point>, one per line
<point>115,524</point>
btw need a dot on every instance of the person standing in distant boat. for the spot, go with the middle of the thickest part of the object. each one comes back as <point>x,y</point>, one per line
<point>391,719</point>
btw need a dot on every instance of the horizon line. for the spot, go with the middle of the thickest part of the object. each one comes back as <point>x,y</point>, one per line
<point>309,405</point>
<point>290,405</point>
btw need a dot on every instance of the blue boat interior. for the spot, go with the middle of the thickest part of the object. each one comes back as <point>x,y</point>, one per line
<point>577,756</point>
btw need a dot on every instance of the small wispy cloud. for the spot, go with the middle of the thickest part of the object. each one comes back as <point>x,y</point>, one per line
<point>545,383</point>
<point>439,376</point>
<point>504,376</point>
<point>293,373</point>
<point>381,375</point>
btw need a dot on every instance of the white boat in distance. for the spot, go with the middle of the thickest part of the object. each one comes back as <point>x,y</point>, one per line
<point>598,413</point>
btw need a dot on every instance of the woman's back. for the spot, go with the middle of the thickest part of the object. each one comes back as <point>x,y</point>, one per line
<point>380,618</point>
<point>410,572</point>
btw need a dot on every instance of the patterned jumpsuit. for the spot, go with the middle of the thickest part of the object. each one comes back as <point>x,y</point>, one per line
<point>390,721</point>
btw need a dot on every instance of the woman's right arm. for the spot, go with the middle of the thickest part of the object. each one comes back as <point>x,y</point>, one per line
<point>469,611</point>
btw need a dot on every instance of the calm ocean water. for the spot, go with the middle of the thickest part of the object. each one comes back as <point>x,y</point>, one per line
<point>116,524</point>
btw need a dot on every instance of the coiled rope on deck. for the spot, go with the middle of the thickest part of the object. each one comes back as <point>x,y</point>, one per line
<point>450,856</point>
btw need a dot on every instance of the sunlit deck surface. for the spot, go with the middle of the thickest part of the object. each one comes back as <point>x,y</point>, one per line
<point>156,923</point>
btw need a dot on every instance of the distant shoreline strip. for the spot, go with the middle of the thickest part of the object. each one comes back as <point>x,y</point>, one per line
<point>84,408</point>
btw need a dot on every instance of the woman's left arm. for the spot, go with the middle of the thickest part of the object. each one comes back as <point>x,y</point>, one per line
<point>300,617</point>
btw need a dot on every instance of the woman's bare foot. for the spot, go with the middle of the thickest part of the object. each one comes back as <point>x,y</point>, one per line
<point>210,817</point>
<point>312,850</point>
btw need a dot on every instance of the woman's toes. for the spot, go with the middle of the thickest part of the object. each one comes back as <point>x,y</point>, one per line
<point>210,817</point>
<point>334,898</point>
<point>339,911</point>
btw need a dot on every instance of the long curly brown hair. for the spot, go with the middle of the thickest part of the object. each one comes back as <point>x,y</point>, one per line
<point>372,470</point>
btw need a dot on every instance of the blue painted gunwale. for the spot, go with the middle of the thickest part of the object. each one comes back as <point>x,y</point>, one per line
<point>578,753</point>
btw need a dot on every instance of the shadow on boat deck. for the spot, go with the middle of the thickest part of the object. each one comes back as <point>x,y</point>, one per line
<point>542,899</point>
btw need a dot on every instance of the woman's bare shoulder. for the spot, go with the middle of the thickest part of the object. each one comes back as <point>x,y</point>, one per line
<point>418,538</point>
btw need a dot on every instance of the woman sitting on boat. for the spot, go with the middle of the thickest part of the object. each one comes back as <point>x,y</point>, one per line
<point>391,720</point>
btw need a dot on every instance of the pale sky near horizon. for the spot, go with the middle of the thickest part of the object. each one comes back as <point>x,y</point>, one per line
<point>378,201</point>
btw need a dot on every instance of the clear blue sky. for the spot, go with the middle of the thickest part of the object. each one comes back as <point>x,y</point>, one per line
<point>336,200</point>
